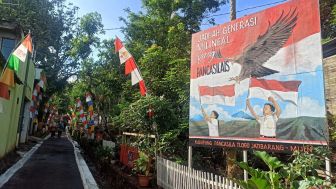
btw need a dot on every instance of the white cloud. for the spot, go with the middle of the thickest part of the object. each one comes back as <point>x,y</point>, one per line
<point>306,107</point>
<point>194,111</point>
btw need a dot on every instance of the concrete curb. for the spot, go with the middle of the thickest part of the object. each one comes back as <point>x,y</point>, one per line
<point>88,181</point>
<point>4,178</point>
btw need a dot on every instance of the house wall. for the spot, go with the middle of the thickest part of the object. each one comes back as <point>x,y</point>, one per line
<point>330,83</point>
<point>11,109</point>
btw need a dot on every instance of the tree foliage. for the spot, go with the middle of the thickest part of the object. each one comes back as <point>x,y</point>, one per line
<point>52,24</point>
<point>301,173</point>
<point>160,39</point>
<point>328,18</point>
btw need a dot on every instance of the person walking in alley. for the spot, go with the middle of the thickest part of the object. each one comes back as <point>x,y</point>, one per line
<point>53,128</point>
<point>60,128</point>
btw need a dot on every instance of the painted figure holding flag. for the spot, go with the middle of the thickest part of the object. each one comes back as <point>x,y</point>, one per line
<point>212,122</point>
<point>267,122</point>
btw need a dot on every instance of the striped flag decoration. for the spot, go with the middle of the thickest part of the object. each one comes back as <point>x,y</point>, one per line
<point>37,97</point>
<point>90,104</point>
<point>218,94</point>
<point>282,90</point>
<point>82,116</point>
<point>130,66</point>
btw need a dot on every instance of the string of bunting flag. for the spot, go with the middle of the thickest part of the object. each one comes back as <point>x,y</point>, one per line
<point>90,108</point>
<point>87,120</point>
<point>37,96</point>
<point>80,108</point>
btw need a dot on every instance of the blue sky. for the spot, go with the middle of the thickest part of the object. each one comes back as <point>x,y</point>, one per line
<point>111,10</point>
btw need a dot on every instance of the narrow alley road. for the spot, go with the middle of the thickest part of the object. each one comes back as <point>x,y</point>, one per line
<point>52,166</point>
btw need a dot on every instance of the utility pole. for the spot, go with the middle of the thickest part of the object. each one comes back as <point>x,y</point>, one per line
<point>231,154</point>
<point>233,12</point>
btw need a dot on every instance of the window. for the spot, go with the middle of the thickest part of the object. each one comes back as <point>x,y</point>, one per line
<point>7,45</point>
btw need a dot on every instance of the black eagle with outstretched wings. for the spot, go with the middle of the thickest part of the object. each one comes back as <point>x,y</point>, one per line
<point>266,46</point>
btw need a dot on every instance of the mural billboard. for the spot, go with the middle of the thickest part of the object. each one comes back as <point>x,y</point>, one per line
<point>257,82</point>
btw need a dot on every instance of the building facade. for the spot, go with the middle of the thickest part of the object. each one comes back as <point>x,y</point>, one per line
<point>13,117</point>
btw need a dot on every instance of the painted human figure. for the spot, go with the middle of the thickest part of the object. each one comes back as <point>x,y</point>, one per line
<point>267,122</point>
<point>212,122</point>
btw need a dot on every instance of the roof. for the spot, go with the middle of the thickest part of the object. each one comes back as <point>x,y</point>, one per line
<point>11,27</point>
<point>329,48</point>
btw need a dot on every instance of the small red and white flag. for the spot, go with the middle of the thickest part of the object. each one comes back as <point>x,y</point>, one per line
<point>124,55</point>
<point>130,66</point>
<point>136,77</point>
<point>117,44</point>
<point>283,90</point>
<point>218,94</point>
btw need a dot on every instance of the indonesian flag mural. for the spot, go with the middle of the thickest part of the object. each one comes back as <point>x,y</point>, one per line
<point>130,66</point>
<point>260,78</point>
<point>219,94</point>
<point>282,90</point>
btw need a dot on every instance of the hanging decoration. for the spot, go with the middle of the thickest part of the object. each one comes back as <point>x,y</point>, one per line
<point>82,116</point>
<point>37,97</point>
<point>130,66</point>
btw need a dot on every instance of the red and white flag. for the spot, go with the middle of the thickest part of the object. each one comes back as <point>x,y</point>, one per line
<point>130,66</point>
<point>219,94</point>
<point>124,55</point>
<point>117,44</point>
<point>283,90</point>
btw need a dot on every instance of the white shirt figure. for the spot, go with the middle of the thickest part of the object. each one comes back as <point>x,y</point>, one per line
<point>212,122</point>
<point>267,121</point>
<point>213,127</point>
<point>268,125</point>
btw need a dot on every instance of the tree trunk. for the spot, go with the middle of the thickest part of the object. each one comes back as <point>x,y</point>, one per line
<point>232,169</point>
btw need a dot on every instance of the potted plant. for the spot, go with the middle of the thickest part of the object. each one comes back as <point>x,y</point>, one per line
<point>143,166</point>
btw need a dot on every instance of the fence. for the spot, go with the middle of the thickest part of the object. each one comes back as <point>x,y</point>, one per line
<point>171,175</point>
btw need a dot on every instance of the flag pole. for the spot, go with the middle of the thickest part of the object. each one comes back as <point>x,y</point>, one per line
<point>23,102</point>
<point>248,93</point>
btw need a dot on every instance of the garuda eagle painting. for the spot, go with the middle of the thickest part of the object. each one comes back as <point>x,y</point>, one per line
<point>255,55</point>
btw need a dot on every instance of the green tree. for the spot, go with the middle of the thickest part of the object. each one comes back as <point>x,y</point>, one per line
<point>52,24</point>
<point>328,18</point>
<point>160,40</point>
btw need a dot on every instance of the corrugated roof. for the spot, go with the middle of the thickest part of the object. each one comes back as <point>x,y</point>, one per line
<point>329,48</point>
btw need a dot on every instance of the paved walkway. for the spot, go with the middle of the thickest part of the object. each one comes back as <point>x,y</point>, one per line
<point>52,166</point>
